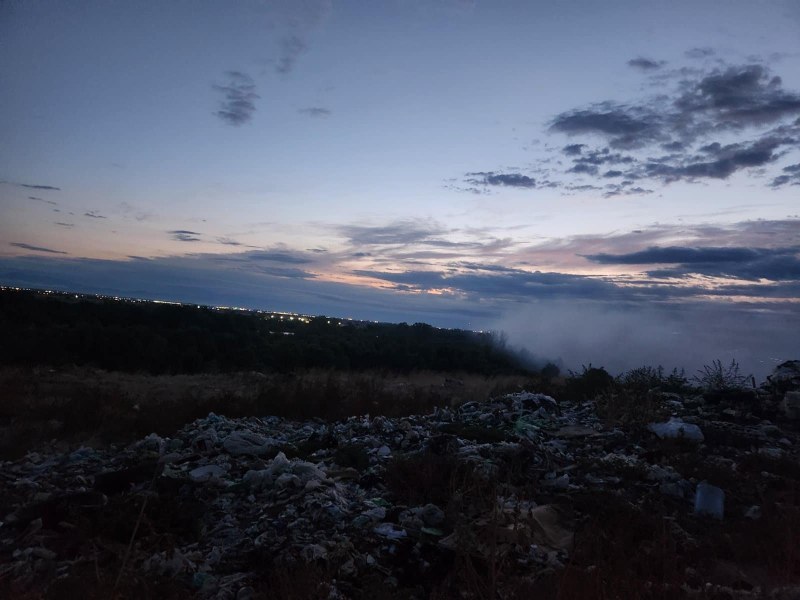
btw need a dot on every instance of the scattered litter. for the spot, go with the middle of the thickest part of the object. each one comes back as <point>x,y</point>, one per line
<point>223,495</point>
<point>676,428</point>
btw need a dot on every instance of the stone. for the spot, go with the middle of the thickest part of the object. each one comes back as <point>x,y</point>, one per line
<point>432,515</point>
<point>790,405</point>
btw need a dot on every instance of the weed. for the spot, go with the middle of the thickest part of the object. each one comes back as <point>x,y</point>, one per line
<point>718,378</point>
<point>644,379</point>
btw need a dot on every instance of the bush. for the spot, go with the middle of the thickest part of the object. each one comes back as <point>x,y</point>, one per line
<point>716,378</point>
<point>588,384</point>
<point>644,379</point>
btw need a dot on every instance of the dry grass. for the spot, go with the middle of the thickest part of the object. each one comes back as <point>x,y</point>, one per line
<point>83,405</point>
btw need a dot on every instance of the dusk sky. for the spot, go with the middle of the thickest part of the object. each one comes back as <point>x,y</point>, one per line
<point>615,182</point>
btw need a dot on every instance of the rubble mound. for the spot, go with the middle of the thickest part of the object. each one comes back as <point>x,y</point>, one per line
<point>518,496</point>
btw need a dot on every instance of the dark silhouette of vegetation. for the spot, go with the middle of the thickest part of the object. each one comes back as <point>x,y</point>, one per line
<point>43,328</point>
<point>718,378</point>
<point>644,379</point>
<point>589,383</point>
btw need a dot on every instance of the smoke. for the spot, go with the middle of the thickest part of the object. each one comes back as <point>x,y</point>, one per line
<point>624,337</point>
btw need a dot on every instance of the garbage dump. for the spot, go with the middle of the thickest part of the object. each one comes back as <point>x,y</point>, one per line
<point>519,485</point>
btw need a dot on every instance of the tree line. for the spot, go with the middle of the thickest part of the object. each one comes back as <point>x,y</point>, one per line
<point>56,329</point>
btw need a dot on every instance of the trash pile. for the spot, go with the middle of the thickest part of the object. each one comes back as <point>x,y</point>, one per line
<point>518,494</point>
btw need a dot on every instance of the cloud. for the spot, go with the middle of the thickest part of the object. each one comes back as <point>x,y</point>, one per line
<point>751,263</point>
<point>697,53</point>
<point>583,168</point>
<point>791,176</point>
<point>282,256</point>
<point>503,283</point>
<point>65,224</point>
<point>739,96</point>
<point>33,186</point>
<point>315,111</point>
<point>239,95</point>
<point>624,126</point>
<point>646,64</point>
<point>745,105</point>
<point>292,46</point>
<point>204,279</point>
<point>37,199</point>
<point>573,149</point>
<point>298,21</point>
<point>129,210</point>
<point>729,159</point>
<point>94,215</point>
<point>501,179</point>
<point>287,273</point>
<point>397,233</point>
<point>35,248</point>
<point>678,254</point>
<point>226,241</point>
<point>184,235</point>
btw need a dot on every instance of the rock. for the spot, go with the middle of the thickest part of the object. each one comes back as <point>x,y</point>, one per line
<point>786,376</point>
<point>790,405</point>
<point>432,515</point>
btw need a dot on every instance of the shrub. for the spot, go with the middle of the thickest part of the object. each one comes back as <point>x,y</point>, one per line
<point>717,378</point>
<point>644,379</point>
<point>589,383</point>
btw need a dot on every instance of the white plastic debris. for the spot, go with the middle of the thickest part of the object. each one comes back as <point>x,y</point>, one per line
<point>206,473</point>
<point>676,428</point>
<point>387,530</point>
<point>709,500</point>
<point>240,443</point>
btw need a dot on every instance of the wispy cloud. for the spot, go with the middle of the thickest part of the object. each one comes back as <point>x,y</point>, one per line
<point>399,232</point>
<point>775,264</point>
<point>184,235</point>
<point>292,46</point>
<point>791,176</point>
<point>315,111</point>
<point>239,96</point>
<point>226,241</point>
<point>278,255</point>
<point>94,215</point>
<point>301,19</point>
<point>699,53</point>
<point>646,64</point>
<point>32,186</point>
<point>37,199</point>
<point>35,248</point>
<point>492,178</point>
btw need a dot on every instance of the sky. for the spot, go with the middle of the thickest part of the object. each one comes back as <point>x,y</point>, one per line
<point>610,182</point>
